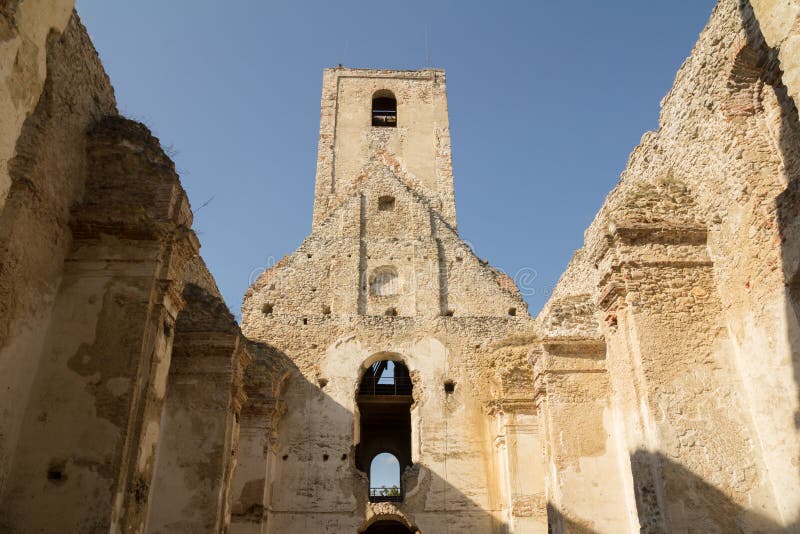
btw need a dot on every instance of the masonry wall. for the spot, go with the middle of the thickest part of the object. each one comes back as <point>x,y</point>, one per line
<point>778,21</point>
<point>313,480</point>
<point>419,146</point>
<point>96,245</point>
<point>446,314</point>
<point>46,177</point>
<point>689,267</point>
<point>25,27</point>
<point>199,432</point>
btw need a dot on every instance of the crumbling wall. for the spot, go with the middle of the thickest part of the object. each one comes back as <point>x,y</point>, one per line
<point>664,390</point>
<point>96,402</point>
<point>443,313</point>
<point>265,383</point>
<point>198,440</point>
<point>25,28</point>
<point>687,266</point>
<point>312,479</point>
<point>585,486</point>
<point>442,316</point>
<point>96,244</point>
<point>47,177</point>
<point>779,21</point>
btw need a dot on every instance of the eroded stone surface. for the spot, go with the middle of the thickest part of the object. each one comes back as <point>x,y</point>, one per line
<point>684,276</point>
<point>325,308</point>
<point>657,391</point>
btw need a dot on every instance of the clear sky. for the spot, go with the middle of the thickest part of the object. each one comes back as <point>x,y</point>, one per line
<point>384,471</point>
<point>546,100</point>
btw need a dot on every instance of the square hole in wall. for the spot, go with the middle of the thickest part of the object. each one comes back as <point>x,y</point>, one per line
<point>385,203</point>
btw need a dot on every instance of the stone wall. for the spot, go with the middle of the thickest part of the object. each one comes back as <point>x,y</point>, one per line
<point>100,279</point>
<point>687,273</point>
<point>46,179</point>
<point>419,146</point>
<point>385,275</point>
<point>779,21</point>
<point>25,27</point>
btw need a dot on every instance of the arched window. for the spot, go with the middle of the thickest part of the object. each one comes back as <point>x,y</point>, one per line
<point>384,109</point>
<point>383,282</point>
<point>386,378</point>
<point>384,400</point>
<point>384,478</point>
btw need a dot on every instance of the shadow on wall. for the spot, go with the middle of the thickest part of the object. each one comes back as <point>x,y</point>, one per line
<point>310,482</point>
<point>558,523</point>
<point>198,425</point>
<point>788,214</point>
<point>787,203</point>
<point>704,508</point>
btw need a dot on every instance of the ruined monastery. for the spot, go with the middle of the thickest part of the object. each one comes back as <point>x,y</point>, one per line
<point>657,391</point>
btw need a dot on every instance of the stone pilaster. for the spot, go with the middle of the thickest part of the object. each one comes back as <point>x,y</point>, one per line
<point>585,488</point>
<point>518,443</point>
<point>86,456</point>
<point>264,382</point>
<point>200,431</point>
<point>693,459</point>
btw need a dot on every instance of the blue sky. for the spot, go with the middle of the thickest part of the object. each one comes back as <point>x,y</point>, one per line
<point>546,100</point>
<point>384,471</point>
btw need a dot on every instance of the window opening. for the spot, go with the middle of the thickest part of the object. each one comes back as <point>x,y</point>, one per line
<point>386,378</point>
<point>384,478</point>
<point>384,109</point>
<point>384,401</point>
<point>385,203</point>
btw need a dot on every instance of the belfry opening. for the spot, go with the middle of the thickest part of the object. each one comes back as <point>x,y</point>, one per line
<point>384,399</point>
<point>384,109</point>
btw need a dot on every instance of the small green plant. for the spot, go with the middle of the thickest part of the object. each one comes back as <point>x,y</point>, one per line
<point>394,491</point>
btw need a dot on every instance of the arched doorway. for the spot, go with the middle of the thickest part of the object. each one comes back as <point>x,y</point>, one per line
<point>389,527</point>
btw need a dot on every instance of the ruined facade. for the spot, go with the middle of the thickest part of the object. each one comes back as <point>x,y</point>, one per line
<point>384,276</point>
<point>658,390</point>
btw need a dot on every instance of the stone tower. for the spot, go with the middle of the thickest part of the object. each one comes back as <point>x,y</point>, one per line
<point>419,149</point>
<point>384,277</point>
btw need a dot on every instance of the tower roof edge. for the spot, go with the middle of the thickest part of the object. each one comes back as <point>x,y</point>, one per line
<point>381,72</point>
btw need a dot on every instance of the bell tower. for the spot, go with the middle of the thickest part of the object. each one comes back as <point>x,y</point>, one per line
<point>395,118</point>
<point>380,314</point>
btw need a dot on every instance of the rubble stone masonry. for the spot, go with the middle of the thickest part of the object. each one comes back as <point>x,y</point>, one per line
<point>658,390</point>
